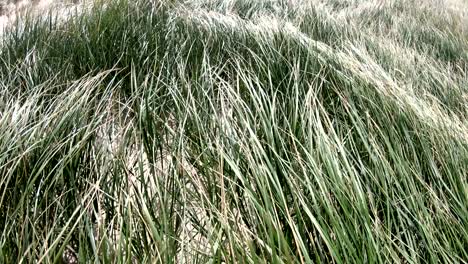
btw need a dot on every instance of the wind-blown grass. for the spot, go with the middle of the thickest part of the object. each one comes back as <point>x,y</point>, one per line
<point>236,131</point>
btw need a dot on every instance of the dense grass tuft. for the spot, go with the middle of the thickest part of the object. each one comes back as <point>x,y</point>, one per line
<point>236,131</point>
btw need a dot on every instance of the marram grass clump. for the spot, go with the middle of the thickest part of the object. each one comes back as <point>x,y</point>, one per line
<point>196,131</point>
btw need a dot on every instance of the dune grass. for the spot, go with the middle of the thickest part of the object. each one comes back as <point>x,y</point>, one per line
<point>236,131</point>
